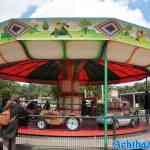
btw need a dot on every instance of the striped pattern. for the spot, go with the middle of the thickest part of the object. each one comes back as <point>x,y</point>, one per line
<point>52,71</point>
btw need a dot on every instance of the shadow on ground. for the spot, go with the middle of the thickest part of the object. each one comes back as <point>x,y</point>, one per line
<point>19,147</point>
<point>23,147</point>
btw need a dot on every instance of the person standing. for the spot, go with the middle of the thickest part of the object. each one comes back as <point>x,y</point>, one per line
<point>20,111</point>
<point>9,131</point>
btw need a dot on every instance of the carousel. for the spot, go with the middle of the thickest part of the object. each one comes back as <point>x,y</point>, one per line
<point>71,53</point>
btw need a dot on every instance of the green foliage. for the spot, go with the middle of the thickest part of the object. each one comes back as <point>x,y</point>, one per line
<point>129,27</point>
<point>95,90</point>
<point>6,36</point>
<point>33,30</point>
<point>9,88</point>
<point>84,24</point>
<point>137,87</point>
<point>55,90</point>
<point>37,90</point>
<point>127,30</point>
<point>45,25</point>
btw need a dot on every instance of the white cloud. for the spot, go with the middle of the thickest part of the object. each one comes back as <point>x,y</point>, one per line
<point>74,8</point>
<point>15,8</point>
<point>92,8</point>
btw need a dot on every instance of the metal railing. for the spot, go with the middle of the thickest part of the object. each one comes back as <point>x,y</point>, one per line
<point>60,141</point>
<point>29,140</point>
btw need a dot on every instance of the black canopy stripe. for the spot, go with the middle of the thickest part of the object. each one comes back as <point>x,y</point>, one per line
<point>95,72</point>
<point>49,71</point>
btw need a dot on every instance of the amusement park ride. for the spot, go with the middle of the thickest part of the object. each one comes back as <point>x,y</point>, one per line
<point>70,52</point>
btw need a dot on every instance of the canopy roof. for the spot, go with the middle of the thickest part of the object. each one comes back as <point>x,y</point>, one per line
<point>26,45</point>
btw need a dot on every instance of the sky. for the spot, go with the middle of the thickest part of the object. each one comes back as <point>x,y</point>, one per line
<point>134,11</point>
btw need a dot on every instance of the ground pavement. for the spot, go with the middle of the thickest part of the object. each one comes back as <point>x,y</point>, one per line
<point>75,143</point>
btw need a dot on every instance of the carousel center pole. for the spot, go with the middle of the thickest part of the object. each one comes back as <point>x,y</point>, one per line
<point>105,100</point>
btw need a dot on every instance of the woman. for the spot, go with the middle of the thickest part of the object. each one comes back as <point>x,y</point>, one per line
<point>9,131</point>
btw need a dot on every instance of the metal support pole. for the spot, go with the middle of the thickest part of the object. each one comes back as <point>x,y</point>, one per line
<point>146,84</point>
<point>134,101</point>
<point>105,100</point>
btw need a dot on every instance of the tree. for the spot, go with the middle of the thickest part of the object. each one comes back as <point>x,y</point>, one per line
<point>45,25</point>
<point>139,35</point>
<point>137,87</point>
<point>7,88</point>
<point>29,91</point>
<point>127,29</point>
<point>84,24</point>
<point>55,91</point>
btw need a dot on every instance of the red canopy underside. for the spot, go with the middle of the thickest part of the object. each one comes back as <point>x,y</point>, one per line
<point>49,72</point>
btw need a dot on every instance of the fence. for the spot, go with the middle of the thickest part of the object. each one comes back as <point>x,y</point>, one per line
<point>61,137</point>
<point>31,137</point>
<point>139,140</point>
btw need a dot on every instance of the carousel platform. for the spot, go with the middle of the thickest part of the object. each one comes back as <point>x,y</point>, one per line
<point>80,133</point>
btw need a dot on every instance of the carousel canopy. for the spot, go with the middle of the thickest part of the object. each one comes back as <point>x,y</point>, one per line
<point>46,50</point>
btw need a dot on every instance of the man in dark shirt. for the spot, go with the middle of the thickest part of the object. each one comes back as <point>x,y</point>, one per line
<point>1,109</point>
<point>9,132</point>
<point>19,110</point>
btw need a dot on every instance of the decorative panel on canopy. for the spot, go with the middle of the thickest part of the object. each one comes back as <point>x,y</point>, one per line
<point>45,49</point>
<point>141,57</point>
<point>83,49</point>
<point>119,52</point>
<point>12,52</point>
